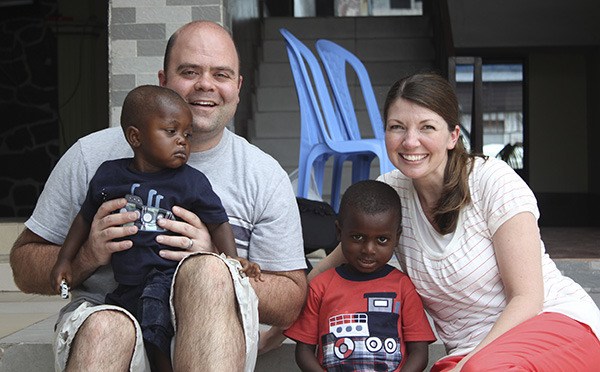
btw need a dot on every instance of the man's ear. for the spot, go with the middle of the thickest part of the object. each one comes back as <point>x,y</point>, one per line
<point>162,78</point>
<point>132,135</point>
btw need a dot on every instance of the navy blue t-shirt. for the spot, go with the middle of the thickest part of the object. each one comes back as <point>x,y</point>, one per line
<point>154,195</point>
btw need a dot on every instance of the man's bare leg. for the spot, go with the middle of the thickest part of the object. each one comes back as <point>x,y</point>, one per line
<point>105,342</point>
<point>209,334</point>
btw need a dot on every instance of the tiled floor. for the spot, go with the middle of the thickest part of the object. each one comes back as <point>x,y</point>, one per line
<point>19,310</point>
<point>572,242</point>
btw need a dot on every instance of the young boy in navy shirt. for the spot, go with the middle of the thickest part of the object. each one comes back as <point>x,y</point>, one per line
<point>157,124</point>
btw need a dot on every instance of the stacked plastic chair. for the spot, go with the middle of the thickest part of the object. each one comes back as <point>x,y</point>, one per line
<point>335,59</point>
<point>322,133</point>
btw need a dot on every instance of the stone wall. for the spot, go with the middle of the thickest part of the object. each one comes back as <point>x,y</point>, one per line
<point>28,102</point>
<point>29,95</point>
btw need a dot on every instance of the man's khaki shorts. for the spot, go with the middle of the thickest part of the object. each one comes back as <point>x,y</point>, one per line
<point>246,297</point>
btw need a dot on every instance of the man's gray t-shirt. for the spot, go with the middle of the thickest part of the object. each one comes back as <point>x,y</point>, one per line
<point>255,191</point>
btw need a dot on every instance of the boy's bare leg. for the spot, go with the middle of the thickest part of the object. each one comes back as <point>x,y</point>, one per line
<point>105,341</point>
<point>209,334</point>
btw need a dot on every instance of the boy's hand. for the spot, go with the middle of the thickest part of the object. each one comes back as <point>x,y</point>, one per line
<point>61,271</point>
<point>251,269</point>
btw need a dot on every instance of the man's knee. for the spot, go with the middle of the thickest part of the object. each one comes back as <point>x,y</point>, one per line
<point>203,272</point>
<point>106,339</point>
<point>108,325</point>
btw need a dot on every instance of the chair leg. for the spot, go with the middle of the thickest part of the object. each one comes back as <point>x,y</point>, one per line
<point>361,168</point>
<point>385,165</point>
<point>318,168</point>
<point>336,182</point>
<point>303,182</point>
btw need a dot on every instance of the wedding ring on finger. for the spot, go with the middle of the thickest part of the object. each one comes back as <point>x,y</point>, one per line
<point>190,244</point>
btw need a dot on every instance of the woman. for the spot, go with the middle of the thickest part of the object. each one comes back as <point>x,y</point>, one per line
<point>472,246</point>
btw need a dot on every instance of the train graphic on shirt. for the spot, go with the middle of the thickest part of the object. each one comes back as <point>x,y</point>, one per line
<point>369,339</point>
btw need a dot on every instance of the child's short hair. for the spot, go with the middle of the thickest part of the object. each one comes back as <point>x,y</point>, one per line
<point>147,100</point>
<point>370,197</point>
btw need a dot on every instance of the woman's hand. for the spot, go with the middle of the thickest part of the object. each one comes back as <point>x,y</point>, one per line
<point>193,235</point>
<point>273,337</point>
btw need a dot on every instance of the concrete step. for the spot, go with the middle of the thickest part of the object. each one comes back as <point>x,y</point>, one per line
<point>390,47</point>
<point>277,74</point>
<point>27,321</point>
<point>286,124</point>
<point>275,99</point>
<point>584,271</point>
<point>417,49</point>
<point>277,124</point>
<point>34,353</point>
<point>349,28</point>
<point>26,331</point>
<point>283,359</point>
<point>9,231</point>
<point>411,37</point>
<point>274,74</point>
<point>7,283</point>
<point>309,27</point>
<point>284,98</point>
<point>285,150</point>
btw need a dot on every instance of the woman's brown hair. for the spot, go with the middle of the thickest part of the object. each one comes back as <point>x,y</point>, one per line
<point>435,93</point>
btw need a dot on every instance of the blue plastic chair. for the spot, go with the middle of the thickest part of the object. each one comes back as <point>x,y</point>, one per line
<point>335,58</point>
<point>322,135</point>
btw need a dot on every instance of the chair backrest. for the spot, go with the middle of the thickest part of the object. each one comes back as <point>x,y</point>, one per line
<point>317,114</point>
<point>335,58</point>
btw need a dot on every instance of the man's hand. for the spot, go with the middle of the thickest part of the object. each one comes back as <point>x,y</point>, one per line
<point>193,235</point>
<point>106,227</point>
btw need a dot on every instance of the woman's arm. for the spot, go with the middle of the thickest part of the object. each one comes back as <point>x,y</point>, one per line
<point>273,337</point>
<point>335,258</point>
<point>518,254</point>
<point>281,296</point>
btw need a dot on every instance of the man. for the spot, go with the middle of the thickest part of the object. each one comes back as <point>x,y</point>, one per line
<point>212,333</point>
